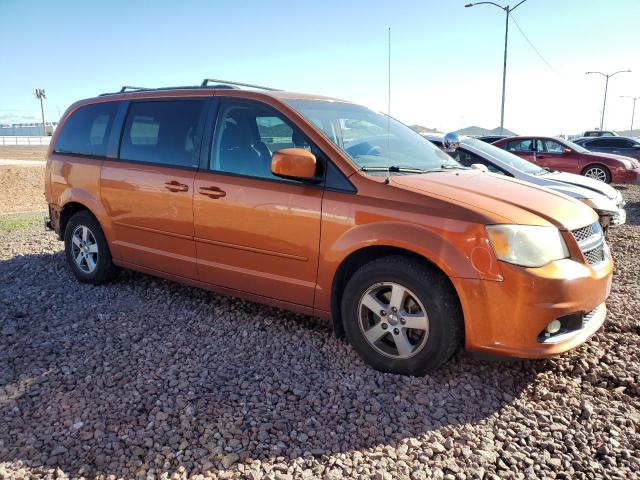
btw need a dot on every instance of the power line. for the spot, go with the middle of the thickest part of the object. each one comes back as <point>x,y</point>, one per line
<point>534,48</point>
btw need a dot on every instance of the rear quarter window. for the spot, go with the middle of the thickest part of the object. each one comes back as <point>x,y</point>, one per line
<point>86,131</point>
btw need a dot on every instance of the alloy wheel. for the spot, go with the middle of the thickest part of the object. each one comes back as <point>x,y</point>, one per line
<point>596,173</point>
<point>393,320</point>
<point>84,248</point>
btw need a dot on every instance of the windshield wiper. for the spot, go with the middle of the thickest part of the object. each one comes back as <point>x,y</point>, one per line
<point>392,169</point>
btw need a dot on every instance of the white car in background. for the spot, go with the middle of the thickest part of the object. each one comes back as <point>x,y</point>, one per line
<point>604,199</point>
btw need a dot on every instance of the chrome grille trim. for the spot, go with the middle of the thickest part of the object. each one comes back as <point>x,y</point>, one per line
<point>590,239</point>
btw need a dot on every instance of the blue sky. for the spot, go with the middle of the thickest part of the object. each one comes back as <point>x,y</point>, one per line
<point>446,61</point>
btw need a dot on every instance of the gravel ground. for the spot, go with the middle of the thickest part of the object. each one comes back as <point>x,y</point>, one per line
<point>21,188</point>
<point>149,378</point>
<point>23,152</point>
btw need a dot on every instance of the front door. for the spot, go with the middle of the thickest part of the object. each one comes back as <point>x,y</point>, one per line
<point>148,191</point>
<point>551,154</point>
<point>256,232</point>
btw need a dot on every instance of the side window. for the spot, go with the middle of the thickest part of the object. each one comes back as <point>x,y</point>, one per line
<point>162,132</point>
<point>550,146</point>
<point>467,158</point>
<point>611,142</point>
<point>520,145</point>
<point>246,137</point>
<point>86,132</point>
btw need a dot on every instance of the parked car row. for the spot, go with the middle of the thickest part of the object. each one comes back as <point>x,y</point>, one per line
<point>604,199</point>
<point>327,208</point>
<point>558,154</point>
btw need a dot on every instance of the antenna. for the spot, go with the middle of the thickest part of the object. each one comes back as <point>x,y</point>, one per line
<point>389,76</point>
<point>388,100</point>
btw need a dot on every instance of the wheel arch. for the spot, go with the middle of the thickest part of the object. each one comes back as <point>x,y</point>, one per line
<point>606,168</point>
<point>357,259</point>
<point>75,200</point>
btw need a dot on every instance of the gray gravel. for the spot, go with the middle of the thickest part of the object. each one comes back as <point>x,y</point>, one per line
<point>149,378</point>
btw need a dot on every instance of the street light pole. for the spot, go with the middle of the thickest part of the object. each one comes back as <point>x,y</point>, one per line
<point>507,9</point>
<point>607,76</point>
<point>633,111</point>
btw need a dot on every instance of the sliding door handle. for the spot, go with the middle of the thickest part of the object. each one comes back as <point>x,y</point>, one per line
<point>175,186</point>
<point>212,192</point>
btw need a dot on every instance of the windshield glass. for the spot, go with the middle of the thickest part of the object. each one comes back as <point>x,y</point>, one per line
<point>504,156</point>
<point>575,146</point>
<point>372,140</point>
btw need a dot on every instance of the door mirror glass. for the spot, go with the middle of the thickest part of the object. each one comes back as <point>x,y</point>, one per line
<point>295,163</point>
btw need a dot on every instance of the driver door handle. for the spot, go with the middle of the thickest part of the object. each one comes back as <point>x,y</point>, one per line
<point>175,186</point>
<point>212,192</point>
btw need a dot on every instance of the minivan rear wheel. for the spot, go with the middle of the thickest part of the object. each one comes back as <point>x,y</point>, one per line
<point>598,172</point>
<point>402,316</point>
<point>87,250</point>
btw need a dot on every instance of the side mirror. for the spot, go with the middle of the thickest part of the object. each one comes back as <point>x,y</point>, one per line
<point>566,151</point>
<point>479,166</point>
<point>295,163</point>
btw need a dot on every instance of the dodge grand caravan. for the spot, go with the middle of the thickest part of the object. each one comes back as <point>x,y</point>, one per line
<point>326,208</point>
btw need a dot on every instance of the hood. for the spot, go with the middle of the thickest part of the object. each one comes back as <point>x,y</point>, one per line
<point>590,184</point>
<point>513,201</point>
<point>613,156</point>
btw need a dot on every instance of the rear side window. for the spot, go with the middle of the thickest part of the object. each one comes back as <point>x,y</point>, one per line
<point>520,145</point>
<point>86,132</point>
<point>163,132</point>
<point>611,142</point>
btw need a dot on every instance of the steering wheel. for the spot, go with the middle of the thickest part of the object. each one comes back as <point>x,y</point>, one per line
<point>374,151</point>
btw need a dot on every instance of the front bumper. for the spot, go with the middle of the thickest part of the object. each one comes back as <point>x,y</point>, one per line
<point>626,176</point>
<point>507,318</point>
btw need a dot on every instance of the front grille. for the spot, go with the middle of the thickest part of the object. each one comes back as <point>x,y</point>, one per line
<point>591,242</point>
<point>585,233</point>
<point>595,256</point>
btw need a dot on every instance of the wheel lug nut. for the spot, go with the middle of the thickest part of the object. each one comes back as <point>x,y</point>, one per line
<point>396,331</point>
<point>403,321</point>
<point>383,313</point>
<point>384,326</point>
<point>394,309</point>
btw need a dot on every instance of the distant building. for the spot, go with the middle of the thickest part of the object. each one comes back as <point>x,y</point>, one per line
<point>27,129</point>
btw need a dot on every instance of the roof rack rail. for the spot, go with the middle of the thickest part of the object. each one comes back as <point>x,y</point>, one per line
<point>228,84</point>
<point>128,87</point>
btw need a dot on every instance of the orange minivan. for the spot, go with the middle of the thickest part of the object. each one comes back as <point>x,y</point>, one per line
<point>327,208</point>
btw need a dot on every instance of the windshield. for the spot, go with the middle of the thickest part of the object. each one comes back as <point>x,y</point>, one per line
<point>575,146</point>
<point>504,156</point>
<point>372,140</point>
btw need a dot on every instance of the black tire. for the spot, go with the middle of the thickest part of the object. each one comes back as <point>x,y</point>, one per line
<point>590,171</point>
<point>103,270</point>
<point>431,288</point>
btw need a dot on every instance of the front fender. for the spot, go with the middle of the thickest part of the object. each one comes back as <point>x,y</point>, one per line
<point>457,248</point>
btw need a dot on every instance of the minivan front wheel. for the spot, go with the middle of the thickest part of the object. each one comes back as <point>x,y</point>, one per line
<point>598,172</point>
<point>87,250</point>
<point>402,316</point>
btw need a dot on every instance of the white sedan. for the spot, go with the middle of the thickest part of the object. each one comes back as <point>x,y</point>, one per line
<point>604,199</point>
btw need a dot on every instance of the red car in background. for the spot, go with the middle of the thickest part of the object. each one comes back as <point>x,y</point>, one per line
<point>558,154</point>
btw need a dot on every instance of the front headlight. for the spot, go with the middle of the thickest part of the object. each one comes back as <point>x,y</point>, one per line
<point>600,205</point>
<point>627,164</point>
<point>527,245</point>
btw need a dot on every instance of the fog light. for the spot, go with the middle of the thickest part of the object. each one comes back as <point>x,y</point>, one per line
<point>554,326</point>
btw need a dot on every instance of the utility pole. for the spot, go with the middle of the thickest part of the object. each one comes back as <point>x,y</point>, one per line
<point>507,9</point>
<point>40,95</point>
<point>633,111</point>
<point>607,76</point>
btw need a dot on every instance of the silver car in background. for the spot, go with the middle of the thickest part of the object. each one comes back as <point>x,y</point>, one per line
<point>604,199</point>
